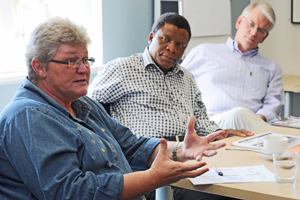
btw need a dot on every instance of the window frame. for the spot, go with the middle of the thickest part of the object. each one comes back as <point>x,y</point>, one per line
<point>6,23</point>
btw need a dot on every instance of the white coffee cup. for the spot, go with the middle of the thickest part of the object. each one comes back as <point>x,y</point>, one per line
<point>273,144</point>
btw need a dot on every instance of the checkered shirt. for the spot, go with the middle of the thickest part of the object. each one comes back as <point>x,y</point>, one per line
<point>147,101</point>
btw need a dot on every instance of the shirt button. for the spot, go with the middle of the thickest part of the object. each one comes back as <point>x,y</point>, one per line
<point>93,141</point>
<point>111,146</point>
<point>79,128</point>
<point>100,141</point>
<point>90,133</point>
<point>103,150</point>
<point>103,129</point>
<point>93,121</point>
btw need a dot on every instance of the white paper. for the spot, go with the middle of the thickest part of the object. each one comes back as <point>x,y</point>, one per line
<point>251,142</point>
<point>235,175</point>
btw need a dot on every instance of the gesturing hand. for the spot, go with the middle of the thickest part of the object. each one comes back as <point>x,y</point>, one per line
<point>194,146</point>
<point>165,171</point>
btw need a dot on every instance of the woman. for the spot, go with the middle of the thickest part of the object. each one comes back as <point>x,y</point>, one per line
<point>56,143</point>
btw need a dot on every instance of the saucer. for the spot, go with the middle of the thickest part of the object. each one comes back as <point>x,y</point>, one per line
<point>267,156</point>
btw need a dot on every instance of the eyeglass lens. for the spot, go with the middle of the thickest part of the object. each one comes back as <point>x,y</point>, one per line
<point>253,26</point>
<point>76,64</point>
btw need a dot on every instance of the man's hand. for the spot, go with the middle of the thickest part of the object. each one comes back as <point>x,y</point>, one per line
<point>241,133</point>
<point>194,146</point>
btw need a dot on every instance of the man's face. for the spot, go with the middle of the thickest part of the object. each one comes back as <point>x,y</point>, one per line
<point>251,30</point>
<point>167,46</point>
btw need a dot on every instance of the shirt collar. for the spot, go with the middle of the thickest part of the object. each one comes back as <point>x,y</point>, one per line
<point>81,107</point>
<point>149,62</point>
<point>233,46</point>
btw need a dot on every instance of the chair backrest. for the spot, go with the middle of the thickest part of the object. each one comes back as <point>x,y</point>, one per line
<point>106,107</point>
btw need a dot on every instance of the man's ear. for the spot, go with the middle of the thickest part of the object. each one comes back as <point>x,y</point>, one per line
<point>39,68</point>
<point>239,21</point>
<point>151,35</point>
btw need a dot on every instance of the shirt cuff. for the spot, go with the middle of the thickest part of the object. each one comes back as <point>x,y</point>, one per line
<point>270,117</point>
<point>143,154</point>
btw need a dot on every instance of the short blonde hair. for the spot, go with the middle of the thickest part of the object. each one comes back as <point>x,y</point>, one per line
<point>47,37</point>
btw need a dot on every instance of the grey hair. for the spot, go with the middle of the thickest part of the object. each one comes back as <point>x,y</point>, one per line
<point>265,9</point>
<point>46,39</point>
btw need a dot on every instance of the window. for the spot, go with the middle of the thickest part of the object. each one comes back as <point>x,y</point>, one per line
<point>18,18</point>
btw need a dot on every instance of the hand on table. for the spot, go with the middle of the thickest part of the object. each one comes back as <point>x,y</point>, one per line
<point>240,133</point>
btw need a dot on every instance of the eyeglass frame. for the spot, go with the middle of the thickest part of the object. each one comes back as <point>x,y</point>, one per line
<point>91,59</point>
<point>251,25</point>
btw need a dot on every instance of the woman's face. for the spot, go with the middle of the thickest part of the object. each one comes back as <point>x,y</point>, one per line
<point>62,83</point>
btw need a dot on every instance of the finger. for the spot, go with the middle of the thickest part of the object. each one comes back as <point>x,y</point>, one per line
<point>246,132</point>
<point>249,133</point>
<point>194,173</point>
<point>191,166</point>
<point>199,157</point>
<point>241,134</point>
<point>221,137</point>
<point>214,135</point>
<point>216,146</point>
<point>210,153</point>
<point>191,124</point>
<point>163,147</point>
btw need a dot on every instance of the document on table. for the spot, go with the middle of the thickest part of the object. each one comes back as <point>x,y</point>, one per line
<point>235,175</point>
<point>251,142</point>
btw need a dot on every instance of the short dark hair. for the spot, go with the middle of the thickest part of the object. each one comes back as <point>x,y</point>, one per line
<point>174,19</point>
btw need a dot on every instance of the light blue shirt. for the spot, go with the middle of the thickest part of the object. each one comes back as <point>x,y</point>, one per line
<point>228,78</point>
<point>46,153</point>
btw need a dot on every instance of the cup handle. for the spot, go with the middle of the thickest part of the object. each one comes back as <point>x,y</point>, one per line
<point>260,144</point>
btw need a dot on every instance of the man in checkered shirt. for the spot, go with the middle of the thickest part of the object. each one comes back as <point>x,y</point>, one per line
<point>150,92</point>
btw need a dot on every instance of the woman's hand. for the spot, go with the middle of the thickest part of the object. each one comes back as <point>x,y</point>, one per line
<point>165,171</point>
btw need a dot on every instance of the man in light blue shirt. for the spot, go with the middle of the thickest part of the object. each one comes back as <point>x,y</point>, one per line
<point>241,89</point>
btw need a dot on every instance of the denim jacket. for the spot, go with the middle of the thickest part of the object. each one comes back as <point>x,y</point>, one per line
<point>46,153</point>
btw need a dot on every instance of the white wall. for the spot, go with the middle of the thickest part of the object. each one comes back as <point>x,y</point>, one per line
<point>283,42</point>
<point>237,6</point>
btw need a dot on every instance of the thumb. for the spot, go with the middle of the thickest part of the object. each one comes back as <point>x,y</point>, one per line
<point>191,125</point>
<point>163,147</point>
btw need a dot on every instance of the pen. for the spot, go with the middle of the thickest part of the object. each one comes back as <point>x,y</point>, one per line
<point>240,149</point>
<point>217,170</point>
<point>257,151</point>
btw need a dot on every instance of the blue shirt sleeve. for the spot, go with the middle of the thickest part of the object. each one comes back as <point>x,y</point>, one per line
<point>57,160</point>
